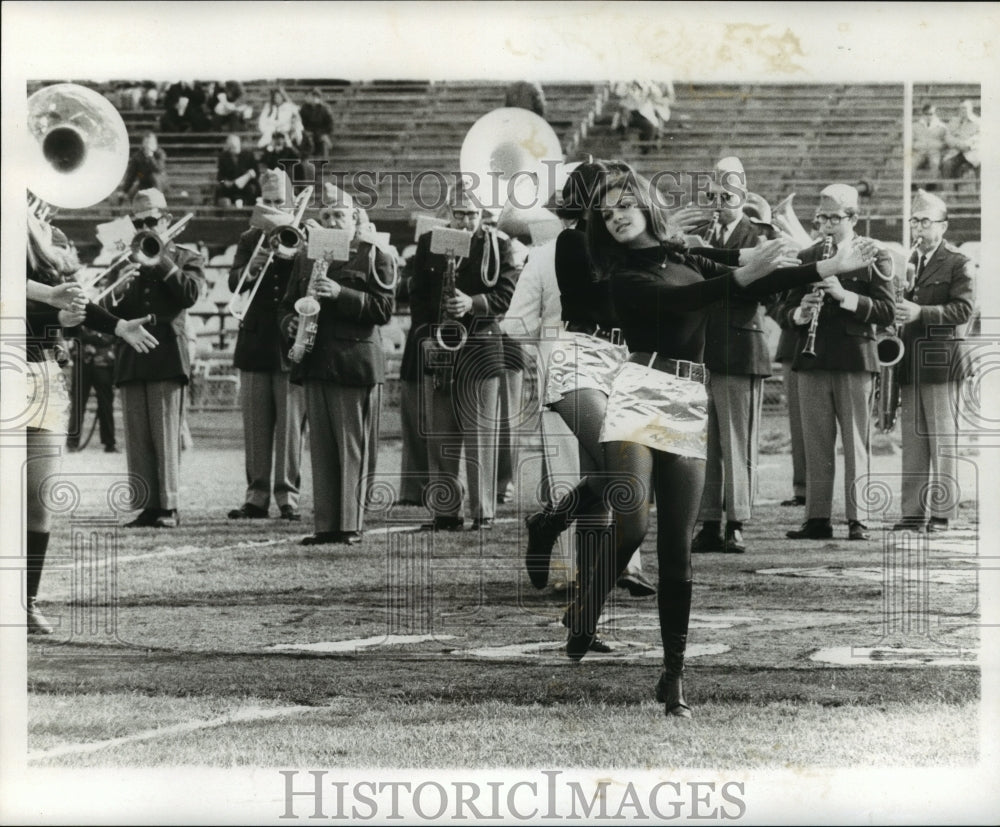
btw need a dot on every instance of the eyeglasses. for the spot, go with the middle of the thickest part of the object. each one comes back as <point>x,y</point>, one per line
<point>149,222</point>
<point>924,223</point>
<point>465,213</point>
<point>833,219</point>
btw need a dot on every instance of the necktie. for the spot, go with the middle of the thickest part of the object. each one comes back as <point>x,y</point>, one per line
<point>921,264</point>
<point>717,240</point>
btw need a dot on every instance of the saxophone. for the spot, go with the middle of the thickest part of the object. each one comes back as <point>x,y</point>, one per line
<point>450,334</point>
<point>810,346</point>
<point>890,351</point>
<point>308,309</point>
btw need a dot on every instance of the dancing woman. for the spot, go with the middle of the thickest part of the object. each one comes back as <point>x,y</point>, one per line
<point>53,302</point>
<point>654,431</point>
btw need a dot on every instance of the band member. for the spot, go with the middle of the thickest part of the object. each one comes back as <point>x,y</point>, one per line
<point>274,410</point>
<point>152,384</point>
<point>738,359</point>
<point>464,401</point>
<point>343,373</point>
<point>414,472</point>
<point>934,311</point>
<point>654,430</point>
<point>93,369</point>
<point>54,302</point>
<point>835,384</point>
<point>558,292</point>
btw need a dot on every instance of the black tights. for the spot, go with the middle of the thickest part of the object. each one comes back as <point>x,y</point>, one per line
<point>583,411</point>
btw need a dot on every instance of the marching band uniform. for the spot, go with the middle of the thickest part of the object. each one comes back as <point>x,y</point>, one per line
<point>785,354</point>
<point>274,411</point>
<point>342,377</point>
<point>152,384</point>
<point>835,385</point>
<point>738,359</point>
<point>932,370</point>
<point>465,414</point>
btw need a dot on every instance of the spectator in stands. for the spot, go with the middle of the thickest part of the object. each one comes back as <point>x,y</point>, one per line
<point>147,169</point>
<point>643,105</point>
<point>526,94</point>
<point>279,115</point>
<point>929,141</point>
<point>237,176</point>
<point>280,154</point>
<point>184,105</point>
<point>226,113</point>
<point>963,143</point>
<point>317,126</point>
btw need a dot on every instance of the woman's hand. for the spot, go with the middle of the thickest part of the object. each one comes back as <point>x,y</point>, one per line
<point>68,296</point>
<point>687,220</point>
<point>860,252</point>
<point>748,255</point>
<point>133,332</point>
<point>71,318</point>
<point>772,255</point>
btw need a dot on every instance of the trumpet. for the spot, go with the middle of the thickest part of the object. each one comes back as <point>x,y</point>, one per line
<point>271,235</point>
<point>810,346</point>
<point>146,250</point>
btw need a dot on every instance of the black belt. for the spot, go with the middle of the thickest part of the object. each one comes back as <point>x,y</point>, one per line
<point>609,334</point>
<point>681,368</point>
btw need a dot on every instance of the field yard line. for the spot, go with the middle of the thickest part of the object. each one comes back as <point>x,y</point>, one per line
<point>176,552</point>
<point>399,529</point>
<point>253,713</point>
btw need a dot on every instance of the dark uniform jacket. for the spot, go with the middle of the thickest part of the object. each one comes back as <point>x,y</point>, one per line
<point>261,344</point>
<point>845,340</point>
<point>166,290</point>
<point>348,346</point>
<point>735,340</point>
<point>482,355</point>
<point>946,293</point>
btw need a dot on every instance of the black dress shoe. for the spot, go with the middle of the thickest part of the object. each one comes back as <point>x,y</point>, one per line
<point>322,538</point>
<point>112,449</point>
<point>937,524</point>
<point>794,501</point>
<point>542,537</point>
<point>146,519</point>
<point>734,541</point>
<point>482,524</point>
<point>637,584</point>
<point>708,539</point>
<point>444,524</point>
<point>814,529</point>
<point>857,530</point>
<point>289,513</point>
<point>248,511</point>
<point>914,524</point>
<point>167,518</point>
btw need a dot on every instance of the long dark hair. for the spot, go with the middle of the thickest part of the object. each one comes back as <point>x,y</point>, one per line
<point>606,254</point>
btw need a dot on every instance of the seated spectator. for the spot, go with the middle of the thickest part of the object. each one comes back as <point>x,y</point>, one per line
<point>227,113</point>
<point>643,105</point>
<point>279,154</point>
<point>526,94</point>
<point>147,169</point>
<point>279,115</point>
<point>317,126</point>
<point>962,140</point>
<point>184,105</point>
<point>237,176</point>
<point>929,140</point>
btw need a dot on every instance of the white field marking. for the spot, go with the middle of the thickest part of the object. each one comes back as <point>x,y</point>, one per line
<point>253,713</point>
<point>621,650</point>
<point>903,656</point>
<point>167,551</point>
<point>644,622</point>
<point>936,575</point>
<point>359,643</point>
<point>415,527</point>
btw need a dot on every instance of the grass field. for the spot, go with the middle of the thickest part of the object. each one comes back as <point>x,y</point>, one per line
<point>230,645</point>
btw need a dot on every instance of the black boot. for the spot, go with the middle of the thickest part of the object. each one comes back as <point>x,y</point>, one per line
<point>38,543</point>
<point>544,528</point>
<point>595,587</point>
<point>675,612</point>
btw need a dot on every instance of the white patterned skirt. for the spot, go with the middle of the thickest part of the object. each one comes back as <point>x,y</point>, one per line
<point>659,409</point>
<point>579,361</point>
<point>47,403</point>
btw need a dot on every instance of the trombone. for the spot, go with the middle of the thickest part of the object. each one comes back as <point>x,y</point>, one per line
<point>283,240</point>
<point>146,250</point>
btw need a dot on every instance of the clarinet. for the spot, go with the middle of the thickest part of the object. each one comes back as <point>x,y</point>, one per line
<point>810,348</point>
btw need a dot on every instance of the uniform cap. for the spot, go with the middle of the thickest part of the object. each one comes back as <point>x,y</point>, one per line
<point>925,202</point>
<point>148,202</point>
<point>839,197</point>
<point>334,196</point>
<point>275,186</point>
